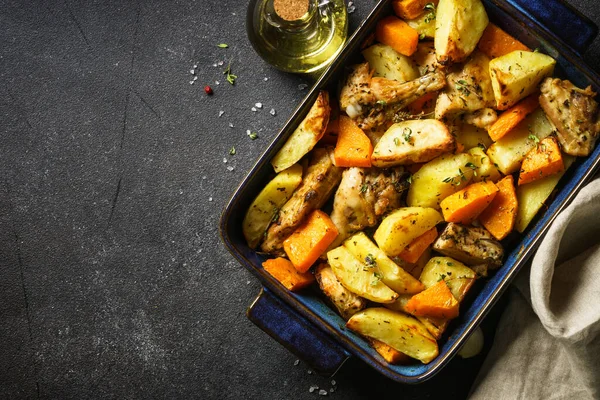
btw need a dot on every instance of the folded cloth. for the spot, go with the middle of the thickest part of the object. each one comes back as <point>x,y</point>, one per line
<point>547,344</point>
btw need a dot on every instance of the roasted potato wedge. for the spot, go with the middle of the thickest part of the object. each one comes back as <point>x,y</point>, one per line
<point>402,332</point>
<point>346,302</point>
<point>388,63</point>
<point>424,25</point>
<point>458,276</point>
<point>410,142</point>
<point>404,225</point>
<point>438,179</point>
<point>508,152</point>
<point>306,135</point>
<point>459,25</point>
<point>469,88</point>
<point>516,75</point>
<point>425,58</point>
<point>470,136</point>
<point>392,275</point>
<point>531,197</point>
<point>266,205</point>
<point>484,168</point>
<point>358,277</point>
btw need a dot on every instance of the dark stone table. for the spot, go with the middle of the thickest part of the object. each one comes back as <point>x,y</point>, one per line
<point>114,170</point>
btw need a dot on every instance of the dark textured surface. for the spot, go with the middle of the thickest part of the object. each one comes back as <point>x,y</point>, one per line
<point>114,281</point>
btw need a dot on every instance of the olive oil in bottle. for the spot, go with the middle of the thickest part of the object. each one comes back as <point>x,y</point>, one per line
<point>300,36</point>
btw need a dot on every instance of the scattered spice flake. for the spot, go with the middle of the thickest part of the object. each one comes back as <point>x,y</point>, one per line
<point>302,86</point>
<point>223,45</point>
<point>232,151</point>
<point>258,105</point>
<point>272,112</point>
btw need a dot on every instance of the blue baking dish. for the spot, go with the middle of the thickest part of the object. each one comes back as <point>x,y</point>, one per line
<point>302,321</point>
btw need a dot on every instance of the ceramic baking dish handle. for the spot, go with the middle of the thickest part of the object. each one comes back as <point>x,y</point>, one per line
<point>298,335</point>
<point>561,21</point>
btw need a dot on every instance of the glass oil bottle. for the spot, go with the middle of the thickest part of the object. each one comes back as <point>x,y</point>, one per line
<point>301,36</point>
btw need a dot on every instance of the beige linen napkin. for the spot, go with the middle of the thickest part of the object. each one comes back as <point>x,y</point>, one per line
<point>553,350</point>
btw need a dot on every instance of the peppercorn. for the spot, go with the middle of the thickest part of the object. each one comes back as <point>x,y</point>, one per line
<point>208,90</point>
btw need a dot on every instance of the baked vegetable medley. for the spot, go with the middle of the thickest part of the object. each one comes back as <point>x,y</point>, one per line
<point>397,191</point>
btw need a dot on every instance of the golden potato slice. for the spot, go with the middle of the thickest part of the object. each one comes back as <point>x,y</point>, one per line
<point>358,277</point>
<point>388,63</point>
<point>411,142</point>
<point>392,275</point>
<point>471,136</point>
<point>516,75</point>
<point>306,135</point>
<point>508,152</point>
<point>484,168</point>
<point>404,225</point>
<point>402,332</point>
<point>531,197</point>
<point>438,179</point>
<point>424,25</point>
<point>459,25</point>
<point>266,205</point>
<point>458,276</point>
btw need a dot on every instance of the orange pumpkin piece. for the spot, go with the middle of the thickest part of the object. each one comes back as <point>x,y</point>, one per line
<point>411,9</point>
<point>511,117</point>
<point>495,42</point>
<point>283,270</point>
<point>465,205</point>
<point>500,216</point>
<point>435,302</point>
<point>310,240</point>
<point>424,104</point>
<point>413,251</point>
<point>542,161</point>
<point>398,35</point>
<point>390,354</point>
<point>353,147</point>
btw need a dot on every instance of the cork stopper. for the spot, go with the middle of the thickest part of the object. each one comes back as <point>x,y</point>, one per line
<point>290,10</point>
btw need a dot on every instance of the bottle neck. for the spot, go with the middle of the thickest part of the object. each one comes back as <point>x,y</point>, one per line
<point>288,15</point>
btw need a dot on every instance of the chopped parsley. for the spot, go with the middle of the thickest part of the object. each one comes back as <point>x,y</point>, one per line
<point>232,151</point>
<point>397,141</point>
<point>253,135</point>
<point>370,261</point>
<point>229,76</point>
<point>431,15</point>
<point>223,45</point>
<point>407,135</point>
<point>533,137</point>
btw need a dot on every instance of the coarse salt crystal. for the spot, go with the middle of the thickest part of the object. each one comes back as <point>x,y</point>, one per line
<point>333,382</point>
<point>310,371</point>
<point>224,160</point>
<point>195,66</point>
<point>258,105</point>
<point>296,362</point>
<point>272,112</point>
<point>192,71</point>
<point>215,64</point>
<point>322,392</point>
<point>230,125</point>
<point>265,79</point>
<point>210,199</point>
<point>230,168</point>
<point>220,63</point>
<point>221,113</point>
<point>191,82</point>
<point>247,131</point>
<point>204,177</point>
<point>313,388</point>
<point>253,109</point>
<point>302,86</point>
<point>217,82</point>
<point>195,78</point>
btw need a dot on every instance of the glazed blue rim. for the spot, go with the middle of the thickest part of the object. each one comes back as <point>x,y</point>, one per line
<point>321,316</point>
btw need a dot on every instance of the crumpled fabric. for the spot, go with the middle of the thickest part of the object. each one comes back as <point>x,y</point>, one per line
<point>547,344</point>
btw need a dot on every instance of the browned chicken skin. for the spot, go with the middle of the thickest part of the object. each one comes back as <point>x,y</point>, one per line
<point>364,195</point>
<point>346,302</point>
<point>470,245</point>
<point>373,102</point>
<point>321,178</point>
<point>574,113</point>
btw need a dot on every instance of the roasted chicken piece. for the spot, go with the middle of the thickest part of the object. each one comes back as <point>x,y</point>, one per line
<point>363,196</point>
<point>317,185</point>
<point>483,118</point>
<point>470,245</point>
<point>373,102</point>
<point>346,302</point>
<point>574,113</point>
<point>469,88</point>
